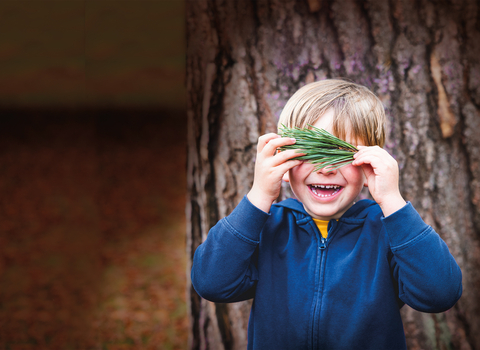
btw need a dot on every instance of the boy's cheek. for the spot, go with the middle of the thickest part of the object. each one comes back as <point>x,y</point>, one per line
<point>301,171</point>
<point>307,167</point>
<point>294,174</point>
<point>353,174</point>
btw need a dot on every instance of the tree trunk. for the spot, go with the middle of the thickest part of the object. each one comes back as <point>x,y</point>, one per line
<point>246,58</point>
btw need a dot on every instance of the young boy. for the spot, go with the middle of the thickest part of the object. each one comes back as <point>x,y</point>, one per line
<point>327,272</point>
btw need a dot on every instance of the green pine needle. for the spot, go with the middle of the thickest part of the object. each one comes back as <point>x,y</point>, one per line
<point>322,148</point>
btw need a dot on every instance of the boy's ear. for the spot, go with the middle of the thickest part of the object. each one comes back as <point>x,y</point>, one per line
<point>286,177</point>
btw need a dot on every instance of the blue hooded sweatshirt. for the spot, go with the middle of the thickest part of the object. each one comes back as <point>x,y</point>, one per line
<point>344,292</point>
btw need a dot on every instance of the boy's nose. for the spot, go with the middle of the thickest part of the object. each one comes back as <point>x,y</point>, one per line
<point>327,171</point>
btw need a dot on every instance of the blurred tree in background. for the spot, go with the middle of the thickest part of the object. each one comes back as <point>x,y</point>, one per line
<point>246,58</point>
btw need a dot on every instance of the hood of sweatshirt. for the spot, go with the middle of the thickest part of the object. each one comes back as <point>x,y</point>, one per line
<point>356,213</point>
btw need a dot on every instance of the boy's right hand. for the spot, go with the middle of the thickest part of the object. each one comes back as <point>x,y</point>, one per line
<point>270,167</point>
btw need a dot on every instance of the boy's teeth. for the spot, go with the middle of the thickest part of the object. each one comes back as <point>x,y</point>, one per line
<point>317,188</point>
<point>326,186</point>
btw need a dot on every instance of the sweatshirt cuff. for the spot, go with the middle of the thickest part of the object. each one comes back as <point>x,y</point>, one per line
<point>247,220</point>
<point>404,225</point>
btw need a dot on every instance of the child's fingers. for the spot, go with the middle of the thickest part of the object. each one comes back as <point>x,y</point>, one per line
<point>271,147</point>
<point>370,155</point>
<point>286,166</point>
<point>368,170</point>
<point>377,163</point>
<point>264,140</point>
<point>366,159</point>
<point>282,157</point>
<point>269,143</point>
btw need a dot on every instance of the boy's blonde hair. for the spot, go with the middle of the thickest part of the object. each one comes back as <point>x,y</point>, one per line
<point>358,113</point>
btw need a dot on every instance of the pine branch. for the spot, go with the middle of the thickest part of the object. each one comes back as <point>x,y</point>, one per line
<point>322,148</point>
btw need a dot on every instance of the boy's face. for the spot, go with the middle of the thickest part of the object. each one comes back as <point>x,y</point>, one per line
<point>326,194</point>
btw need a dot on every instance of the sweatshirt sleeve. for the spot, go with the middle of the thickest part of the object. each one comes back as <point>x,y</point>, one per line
<point>223,268</point>
<point>429,279</point>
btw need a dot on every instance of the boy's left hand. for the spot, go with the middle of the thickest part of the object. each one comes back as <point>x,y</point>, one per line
<point>381,172</point>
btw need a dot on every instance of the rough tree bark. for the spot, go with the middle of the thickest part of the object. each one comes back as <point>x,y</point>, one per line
<point>246,58</point>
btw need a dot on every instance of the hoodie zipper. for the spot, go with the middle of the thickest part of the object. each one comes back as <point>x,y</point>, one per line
<point>322,246</point>
<point>323,243</point>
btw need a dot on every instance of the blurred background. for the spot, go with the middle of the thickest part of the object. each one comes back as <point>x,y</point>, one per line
<point>92,175</point>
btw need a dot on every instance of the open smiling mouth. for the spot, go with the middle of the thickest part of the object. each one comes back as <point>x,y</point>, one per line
<point>325,190</point>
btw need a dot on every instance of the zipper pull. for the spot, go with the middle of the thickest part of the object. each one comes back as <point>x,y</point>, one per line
<point>323,243</point>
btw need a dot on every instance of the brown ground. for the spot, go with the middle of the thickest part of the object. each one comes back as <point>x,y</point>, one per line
<point>92,230</point>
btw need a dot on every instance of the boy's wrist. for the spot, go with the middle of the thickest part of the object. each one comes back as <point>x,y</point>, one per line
<point>259,200</point>
<point>392,204</point>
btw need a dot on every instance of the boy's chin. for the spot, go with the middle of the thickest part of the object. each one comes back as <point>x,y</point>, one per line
<point>322,214</point>
<point>326,213</point>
